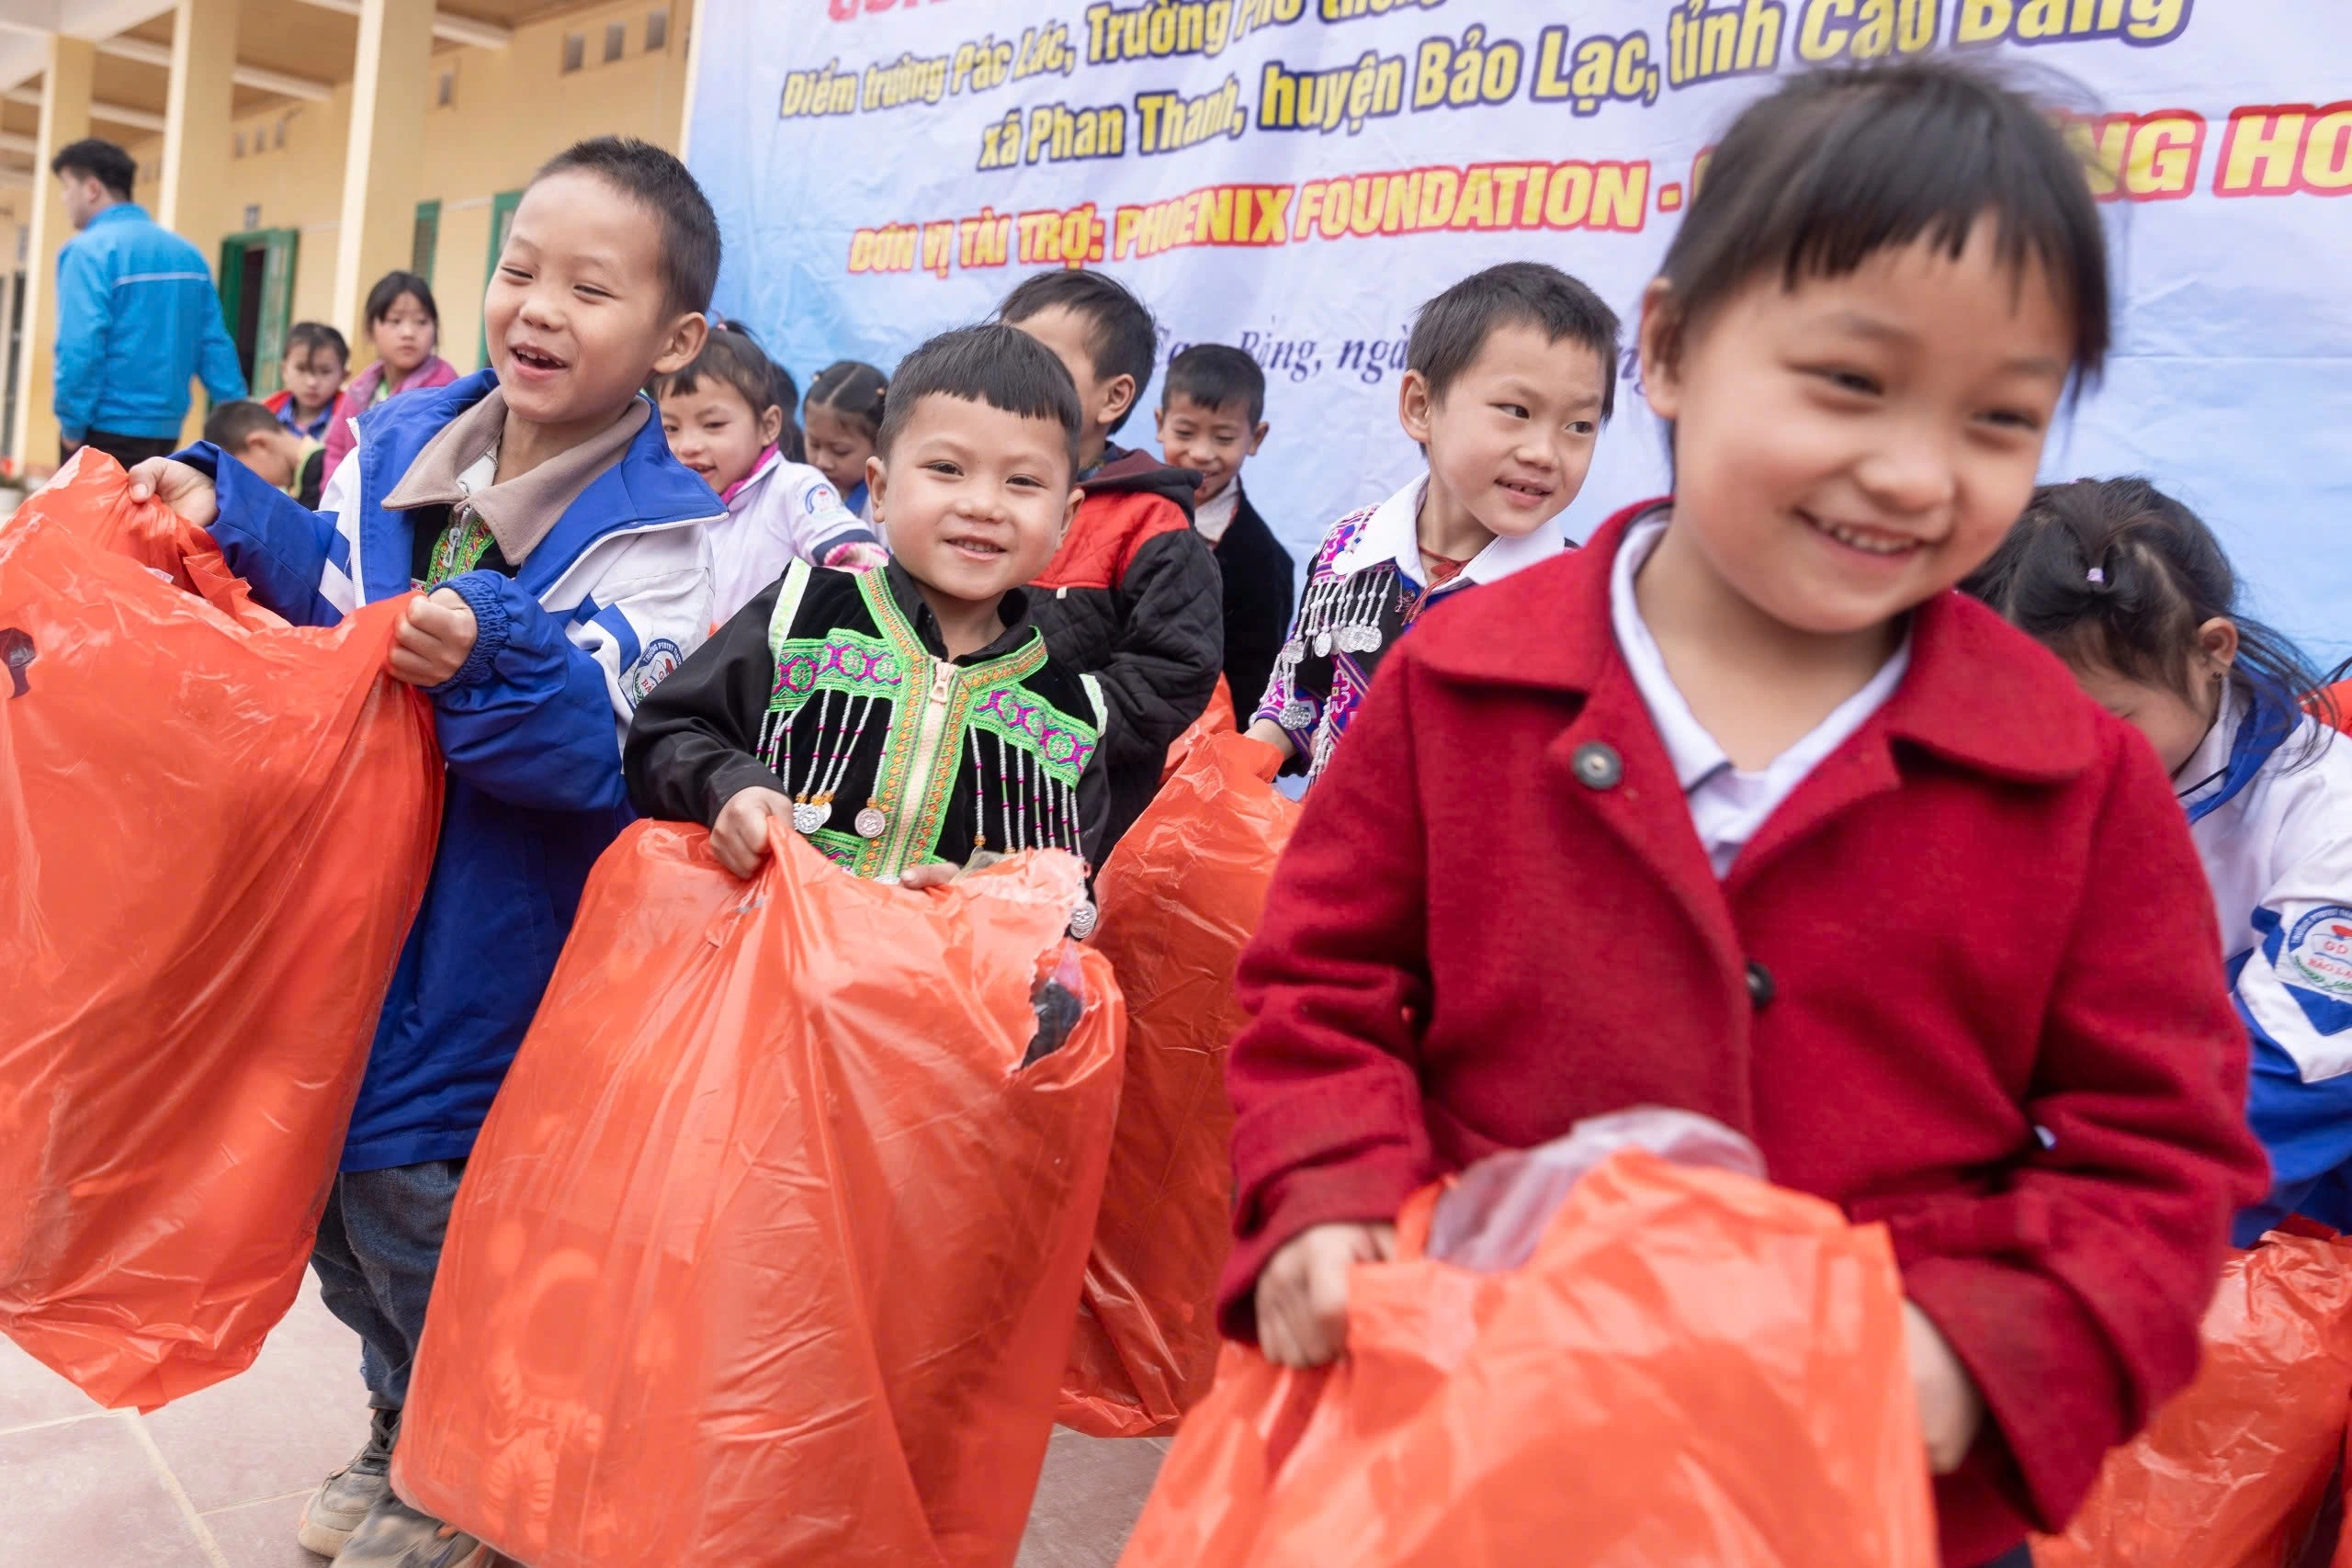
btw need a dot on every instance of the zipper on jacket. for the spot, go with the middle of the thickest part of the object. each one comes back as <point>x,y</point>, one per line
<point>926,756</point>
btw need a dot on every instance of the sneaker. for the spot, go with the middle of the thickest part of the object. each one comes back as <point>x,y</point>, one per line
<point>344,1497</point>
<point>394,1535</point>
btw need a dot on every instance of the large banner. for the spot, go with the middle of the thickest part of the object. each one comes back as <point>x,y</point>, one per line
<point>1294,177</point>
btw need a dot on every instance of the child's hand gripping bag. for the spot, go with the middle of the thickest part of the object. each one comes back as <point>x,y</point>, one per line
<point>2231,1471</point>
<point>769,1250</point>
<point>1180,898</point>
<point>1692,1366</point>
<point>219,829</point>
<point>1217,718</point>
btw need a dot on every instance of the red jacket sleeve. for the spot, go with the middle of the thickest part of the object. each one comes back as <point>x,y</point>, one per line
<point>2074,1297</point>
<point>1326,1102</point>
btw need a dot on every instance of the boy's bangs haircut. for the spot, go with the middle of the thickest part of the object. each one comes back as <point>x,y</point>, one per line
<point>1124,338</point>
<point>231,424</point>
<point>1841,164</point>
<point>1217,376</point>
<point>730,358</point>
<point>996,365</point>
<point>658,182</point>
<point>307,338</point>
<point>1451,329</point>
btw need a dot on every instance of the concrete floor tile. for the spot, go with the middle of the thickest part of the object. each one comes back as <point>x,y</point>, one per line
<point>31,1393</point>
<point>281,1425</point>
<point>86,1493</point>
<point>261,1535</point>
<point>1087,1500</point>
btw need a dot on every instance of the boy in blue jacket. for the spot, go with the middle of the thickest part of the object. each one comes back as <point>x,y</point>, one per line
<point>560,548</point>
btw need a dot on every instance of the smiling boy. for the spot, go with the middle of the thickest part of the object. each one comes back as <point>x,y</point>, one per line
<point>1212,420</point>
<point>906,718</point>
<point>560,548</point>
<point>1510,375</point>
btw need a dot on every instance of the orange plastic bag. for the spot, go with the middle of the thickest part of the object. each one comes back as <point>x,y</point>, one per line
<point>220,827</point>
<point>1693,1367</point>
<point>2231,1471</point>
<point>1181,897</point>
<point>768,1250</point>
<point>1217,718</point>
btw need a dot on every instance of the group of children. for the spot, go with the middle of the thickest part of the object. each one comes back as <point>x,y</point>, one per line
<point>1739,807</point>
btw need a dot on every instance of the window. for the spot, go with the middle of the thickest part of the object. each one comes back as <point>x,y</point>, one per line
<point>445,91</point>
<point>241,144</point>
<point>426,239</point>
<point>278,139</point>
<point>575,51</point>
<point>615,40</point>
<point>656,31</point>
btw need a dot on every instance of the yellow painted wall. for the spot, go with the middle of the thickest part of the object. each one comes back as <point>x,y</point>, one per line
<point>514,109</point>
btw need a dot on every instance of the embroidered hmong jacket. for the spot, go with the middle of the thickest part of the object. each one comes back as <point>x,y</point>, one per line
<point>1365,588</point>
<point>834,688</point>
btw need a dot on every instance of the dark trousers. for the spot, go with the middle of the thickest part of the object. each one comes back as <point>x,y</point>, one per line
<point>129,450</point>
<point>378,1247</point>
<point>2021,1558</point>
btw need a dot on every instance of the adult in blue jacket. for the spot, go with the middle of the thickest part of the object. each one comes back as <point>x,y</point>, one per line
<point>137,316</point>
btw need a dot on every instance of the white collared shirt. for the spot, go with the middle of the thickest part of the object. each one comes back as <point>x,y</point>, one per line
<point>1727,806</point>
<point>1393,533</point>
<point>1216,514</point>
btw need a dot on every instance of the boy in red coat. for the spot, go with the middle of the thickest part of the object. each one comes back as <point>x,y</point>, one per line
<point>1740,809</point>
<point>1132,597</point>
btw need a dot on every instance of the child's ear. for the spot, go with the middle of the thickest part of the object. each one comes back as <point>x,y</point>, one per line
<point>1069,513</point>
<point>1159,424</point>
<point>2218,641</point>
<point>1118,397</point>
<point>771,425</point>
<point>1414,406</point>
<point>686,338</point>
<point>1661,346</point>
<point>1258,437</point>
<point>878,479</point>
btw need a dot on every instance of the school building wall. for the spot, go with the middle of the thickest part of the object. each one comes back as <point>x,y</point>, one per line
<point>508,110</point>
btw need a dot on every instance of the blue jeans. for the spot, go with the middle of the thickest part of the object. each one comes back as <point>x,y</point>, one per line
<point>378,1247</point>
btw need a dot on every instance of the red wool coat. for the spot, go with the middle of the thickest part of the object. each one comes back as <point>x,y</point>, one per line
<point>1964,981</point>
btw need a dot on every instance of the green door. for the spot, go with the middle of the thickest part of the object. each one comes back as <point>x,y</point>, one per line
<point>426,242</point>
<point>257,301</point>
<point>501,218</point>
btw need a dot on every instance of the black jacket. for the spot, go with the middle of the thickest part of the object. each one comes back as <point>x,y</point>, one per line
<point>1132,598</point>
<point>1257,572</point>
<point>1022,727</point>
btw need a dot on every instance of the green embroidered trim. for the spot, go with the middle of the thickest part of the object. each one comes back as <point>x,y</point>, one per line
<point>915,825</point>
<point>459,548</point>
<point>842,849</point>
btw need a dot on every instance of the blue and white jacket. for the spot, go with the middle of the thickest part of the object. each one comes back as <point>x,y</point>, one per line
<point>136,317</point>
<point>612,598</point>
<point>2273,823</point>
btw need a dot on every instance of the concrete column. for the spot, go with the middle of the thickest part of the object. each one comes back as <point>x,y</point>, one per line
<point>65,119</point>
<point>384,165</point>
<point>196,121</point>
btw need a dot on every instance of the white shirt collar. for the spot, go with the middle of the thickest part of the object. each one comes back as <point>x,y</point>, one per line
<point>1726,806</point>
<point>2202,773</point>
<point>1215,515</point>
<point>480,474</point>
<point>1393,533</point>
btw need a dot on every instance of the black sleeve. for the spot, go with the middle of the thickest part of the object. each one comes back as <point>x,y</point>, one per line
<point>1168,648</point>
<point>312,480</point>
<point>1094,813</point>
<point>1258,610</point>
<point>691,746</point>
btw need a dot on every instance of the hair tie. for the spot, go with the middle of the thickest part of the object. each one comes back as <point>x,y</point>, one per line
<point>2098,575</point>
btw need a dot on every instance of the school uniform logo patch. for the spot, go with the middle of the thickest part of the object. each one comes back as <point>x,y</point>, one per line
<point>2318,951</point>
<point>653,666</point>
